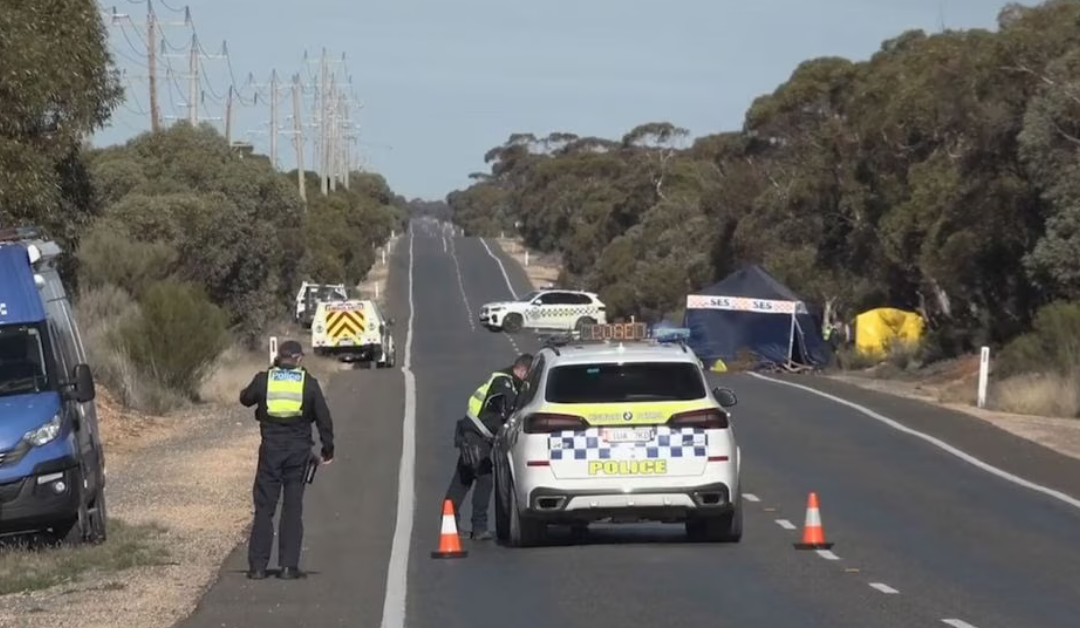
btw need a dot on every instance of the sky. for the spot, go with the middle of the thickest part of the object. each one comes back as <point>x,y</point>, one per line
<point>438,83</point>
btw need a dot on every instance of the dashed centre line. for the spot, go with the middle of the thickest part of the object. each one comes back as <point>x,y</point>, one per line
<point>750,497</point>
<point>957,623</point>
<point>461,285</point>
<point>884,588</point>
<point>785,524</point>
<point>827,554</point>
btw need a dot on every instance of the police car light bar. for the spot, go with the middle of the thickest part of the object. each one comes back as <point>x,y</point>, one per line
<point>615,331</point>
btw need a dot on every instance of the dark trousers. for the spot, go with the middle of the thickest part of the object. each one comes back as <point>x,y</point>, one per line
<point>281,469</point>
<point>481,482</point>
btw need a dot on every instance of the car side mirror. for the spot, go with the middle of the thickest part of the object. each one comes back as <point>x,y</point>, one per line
<point>84,390</point>
<point>725,397</point>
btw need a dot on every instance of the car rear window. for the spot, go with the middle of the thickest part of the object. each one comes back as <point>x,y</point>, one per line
<point>613,383</point>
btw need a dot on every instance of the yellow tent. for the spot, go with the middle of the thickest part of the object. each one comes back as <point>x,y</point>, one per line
<point>878,330</point>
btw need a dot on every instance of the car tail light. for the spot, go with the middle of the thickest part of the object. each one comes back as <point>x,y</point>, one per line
<point>545,423</point>
<point>710,419</point>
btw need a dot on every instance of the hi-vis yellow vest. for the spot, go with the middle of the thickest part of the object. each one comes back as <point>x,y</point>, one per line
<point>476,402</point>
<point>285,393</point>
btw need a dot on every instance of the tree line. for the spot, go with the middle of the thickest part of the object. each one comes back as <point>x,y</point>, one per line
<point>177,245</point>
<point>936,176</point>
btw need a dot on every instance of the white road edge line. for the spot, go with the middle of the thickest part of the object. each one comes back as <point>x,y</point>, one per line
<point>966,457</point>
<point>397,572</point>
<point>884,588</point>
<point>957,623</point>
<point>498,261</point>
<point>750,497</point>
<point>827,554</point>
<point>461,285</point>
<point>509,286</point>
<point>785,524</point>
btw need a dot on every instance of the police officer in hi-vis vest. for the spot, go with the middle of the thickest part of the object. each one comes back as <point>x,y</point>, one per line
<point>288,400</point>
<point>473,438</point>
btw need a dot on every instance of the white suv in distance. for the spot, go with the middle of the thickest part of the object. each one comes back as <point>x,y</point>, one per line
<point>549,309</point>
<point>618,431</point>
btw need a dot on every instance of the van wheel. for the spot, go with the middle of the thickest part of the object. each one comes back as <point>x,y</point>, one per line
<point>513,323</point>
<point>98,520</point>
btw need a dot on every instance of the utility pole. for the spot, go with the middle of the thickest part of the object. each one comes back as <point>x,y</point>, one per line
<point>154,41</point>
<point>346,152</point>
<point>325,106</point>
<point>228,116</point>
<point>273,118</point>
<point>334,128</point>
<point>151,60</point>
<point>193,81</point>
<point>324,127</point>
<point>195,93</point>
<point>275,112</point>
<point>298,139</point>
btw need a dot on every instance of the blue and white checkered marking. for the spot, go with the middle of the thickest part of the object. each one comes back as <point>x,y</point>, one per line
<point>680,442</point>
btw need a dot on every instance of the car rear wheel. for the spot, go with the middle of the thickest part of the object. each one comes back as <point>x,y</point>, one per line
<point>583,322</point>
<point>524,532</point>
<point>502,513</point>
<point>727,528</point>
<point>513,323</point>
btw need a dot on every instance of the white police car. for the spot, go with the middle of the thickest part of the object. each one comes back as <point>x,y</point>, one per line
<point>548,309</point>
<point>617,430</point>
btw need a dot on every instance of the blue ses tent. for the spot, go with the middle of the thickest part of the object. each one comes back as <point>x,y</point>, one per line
<point>750,309</point>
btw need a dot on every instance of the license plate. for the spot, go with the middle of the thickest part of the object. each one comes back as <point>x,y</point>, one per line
<point>627,434</point>
<point>346,343</point>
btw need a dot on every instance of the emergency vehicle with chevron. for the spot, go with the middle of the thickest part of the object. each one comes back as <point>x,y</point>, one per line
<point>548,309</point>
<point>353,330</point>
<point>617,424</point>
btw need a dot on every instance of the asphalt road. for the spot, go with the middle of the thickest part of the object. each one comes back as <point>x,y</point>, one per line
<point>923,536</point>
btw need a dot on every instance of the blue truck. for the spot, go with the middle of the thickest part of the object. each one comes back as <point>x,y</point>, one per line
<point>52,465</point>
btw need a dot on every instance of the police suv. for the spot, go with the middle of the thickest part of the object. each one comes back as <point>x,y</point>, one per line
<point>52,466</point>
<point>548,309</point>
<point>617,427</point>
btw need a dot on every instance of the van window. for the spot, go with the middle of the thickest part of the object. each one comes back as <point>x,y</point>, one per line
<point>24,367</point>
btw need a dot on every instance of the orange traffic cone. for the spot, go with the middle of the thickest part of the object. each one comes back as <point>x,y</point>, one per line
<point>449,541</point>
<point>813,531</point>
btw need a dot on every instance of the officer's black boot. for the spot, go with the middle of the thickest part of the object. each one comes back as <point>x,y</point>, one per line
<point>291,573</point>
<point>256,574</point>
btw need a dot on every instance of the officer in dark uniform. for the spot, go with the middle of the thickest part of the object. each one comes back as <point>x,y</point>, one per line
<point>473,438</point>
<point>288,400</point>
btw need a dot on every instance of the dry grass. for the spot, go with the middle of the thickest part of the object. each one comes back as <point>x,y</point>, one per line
<point>197,506</point>
<point>29,567</point>
<point>1050,395</point>
<point>1038,408</point>
<point>542,269</point>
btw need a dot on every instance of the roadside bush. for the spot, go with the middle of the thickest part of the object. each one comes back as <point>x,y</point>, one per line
<point>108,257</point>
<point>1051,347</point>
<point>101,313</point>
<point>177,335</point>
